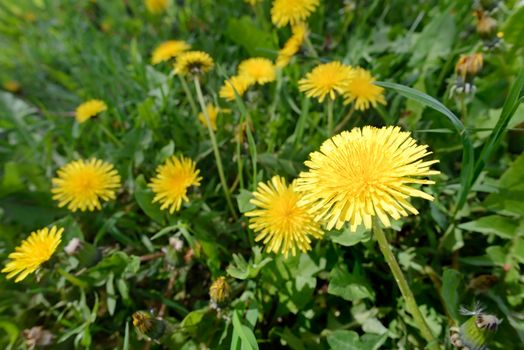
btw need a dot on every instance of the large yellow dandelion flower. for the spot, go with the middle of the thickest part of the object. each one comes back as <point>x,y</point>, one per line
<point>292,46</point>
<point>282,223</point>
<point>193,62</point>
<point>365,173</point>
<point>81,184</point>
<point>362,90</point>
<point>168,50</point>
<point>156,6</point>
<point>33,252</point>
<point>260,70</point>
<point>291,12</point>
<point>238,84</point>
<point>326,79</point>
<point>89,109</point>
<point>172,181</point>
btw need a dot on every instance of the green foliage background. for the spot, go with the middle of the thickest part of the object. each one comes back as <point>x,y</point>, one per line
<point>340,295</point>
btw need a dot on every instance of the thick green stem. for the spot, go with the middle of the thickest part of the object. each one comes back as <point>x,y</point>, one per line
<point>346,119</point>
<point>330,103</point>
<point>218,159</point>
<point>404,287</point>
<point>310,47</point>
<point>188,94</point>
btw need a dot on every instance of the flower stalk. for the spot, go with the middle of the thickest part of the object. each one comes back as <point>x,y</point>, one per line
<point>404,286</point>
<point>216,152</point>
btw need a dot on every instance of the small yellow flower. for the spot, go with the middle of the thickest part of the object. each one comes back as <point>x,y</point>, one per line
<point>33,252</point>
<point>238,84</point>
<point>193,62</point>
<point>291,12</point>
<point>362,90</point>
<point>469,65</point>
<point>212,113</point>
<point>11,86</point>
<point>326,79</point>
<point>292,46</point>
<point>364,173</point>
<point>280,220</point>
<point>156,6</point>
<point>81,184</point>
<point>172,181</point>
<point>220,291</point>
<point>89,109</point>
<point>260,70</point>
<point>168,50</point>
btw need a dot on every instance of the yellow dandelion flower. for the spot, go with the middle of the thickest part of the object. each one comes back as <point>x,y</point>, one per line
<point>292,46</point>
<point>469,65</point>
<point>212,113</point>
<point>172,181</point>
<point>326,79</point>
<point>33,252</point>
<point>282,223</point>
<point>364,173</point>
<point>291,12</point>
<point>89,109</point>
<point>81,184</point>
<point>193,62</point>
<point>168,50</point>
<point>238,84</point>
<point>362,90</point>
<point>260,70</point>
<point>156,6</point>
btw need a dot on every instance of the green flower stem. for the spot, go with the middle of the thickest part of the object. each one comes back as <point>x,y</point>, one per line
<point>310,47</point>
<point>188,94</point>
<point>110,135</point>
<point>220,168</point>
<point>404,287</point>
<point>72,279</point>
<point>346,119</point>
<point>330,103</point>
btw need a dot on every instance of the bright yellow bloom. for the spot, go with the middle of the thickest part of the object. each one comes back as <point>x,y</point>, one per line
<point>193,62</point>
<point>291,12</point>
<point>364,173</point>
<point>326,79</point>
<point>33,252</point>
<point>260,70</point>
<point>292,46</point>
<point>156,6</point>
<point>362,90</point>
<point>82,184</point>
<point>238,83</point>
<point>168,50</point>
<point>172,181</point>
<point>89,109</point>
<point>212,113</point>
<point>280,220</point>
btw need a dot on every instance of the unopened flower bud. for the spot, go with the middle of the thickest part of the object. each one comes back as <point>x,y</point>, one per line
<point>148,325</point>
<point>486,25</point>
<point>220,291</point>
<point>469,65</point>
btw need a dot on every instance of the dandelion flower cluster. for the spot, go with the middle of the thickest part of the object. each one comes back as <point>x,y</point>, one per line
<point>33,252</point>
<point>281,221</point>
<point>89,109</point>
<point>82,184</point>
<point>260,70</point>
<point>362,90</point>
<point>292,46</point>
<point>168,50</point>
<point>172,181</point>
<point>286,12</point>
<point>156,6</point>
<point>365,173</point>
<point>237,84</point>
<point>193,62</point>
<point>326,79</point>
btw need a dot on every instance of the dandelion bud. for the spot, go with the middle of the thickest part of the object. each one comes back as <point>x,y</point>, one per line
<point>469,65</point>
<point>477,331</point>
<point>486,25</point>
<point>149,326</point>
<point>220,291</point>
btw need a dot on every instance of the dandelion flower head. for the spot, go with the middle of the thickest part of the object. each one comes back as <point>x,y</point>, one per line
<point>212,113</point>
<point>168,50</point>
<point>172,181</point>
<point>33,252</point>
<point>82,184</point>
<point>362,90</point>
<point>469,65</point>
<point>193,62</point>
<point>89,109</point>
<point>292,46</point>
<point>326,79</point>
<point>238,84</point>
<point>282,223</point>
<point>286,12</point>
<point>260,70</point>
<point>156,6</point>
<point>364,173</point>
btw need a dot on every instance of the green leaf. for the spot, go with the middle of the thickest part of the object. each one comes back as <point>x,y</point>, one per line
<point>450,291</point>
<point>144,198</point>
<point>349,340</point>
<point>126,337</point>
<point>348,239</point>
<point>246,335</point>
<point>245,33</point>
<point>514,27</point>
<point>11,329</point>
<point>193,318</point>
<point>350,286</point>
<point>501,226</point>
<point>111,297</point>
<point>243,200</point>
<point>511,190</point>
